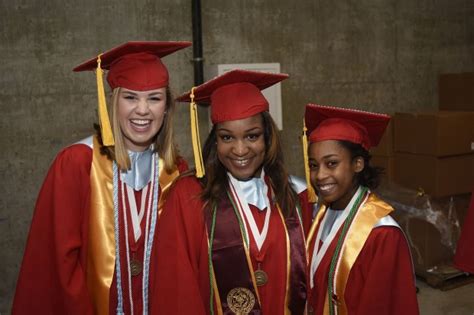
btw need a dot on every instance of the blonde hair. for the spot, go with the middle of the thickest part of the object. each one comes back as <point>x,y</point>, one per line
<point>164,140</point>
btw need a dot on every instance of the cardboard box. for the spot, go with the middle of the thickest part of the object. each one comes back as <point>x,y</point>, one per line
<point>438,177</point>
<point>456,91</point>
<point>441,133</point>
<point>385,147</point>
<point>385,162</point>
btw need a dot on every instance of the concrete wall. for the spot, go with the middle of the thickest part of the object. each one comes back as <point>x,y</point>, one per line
<point>377,55</point>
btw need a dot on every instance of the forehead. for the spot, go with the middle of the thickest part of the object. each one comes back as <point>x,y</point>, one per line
<point>327,148</point>
<point>148,92</point>
<point>241,125</point>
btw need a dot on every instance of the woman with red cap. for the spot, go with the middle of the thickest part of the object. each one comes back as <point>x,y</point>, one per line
<point>233,238</point>
<point>92,237</point>
<point>359,258</point>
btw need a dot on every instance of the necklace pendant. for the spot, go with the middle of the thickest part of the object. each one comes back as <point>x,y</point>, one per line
<point>261,277</point>
<point>135,267</point>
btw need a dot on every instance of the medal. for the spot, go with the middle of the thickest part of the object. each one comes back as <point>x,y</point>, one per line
<point>240,301</point>
<point>135,267</point>
<point>261,277</point>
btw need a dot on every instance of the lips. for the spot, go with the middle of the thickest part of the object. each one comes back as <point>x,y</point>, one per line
<point>140,124</point>
<point>326,188</point>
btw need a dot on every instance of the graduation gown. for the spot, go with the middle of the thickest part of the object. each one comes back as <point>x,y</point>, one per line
<point>464,258</point>
<point>381,280</point>
<point>52,278</point>
<point>183,271</point>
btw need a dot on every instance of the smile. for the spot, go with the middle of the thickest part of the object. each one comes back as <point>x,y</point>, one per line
<point>241,162</point>
<point>326,188</point>
<point>140,122</point>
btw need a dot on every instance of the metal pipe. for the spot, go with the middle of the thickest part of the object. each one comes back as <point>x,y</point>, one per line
<point>197,43</point>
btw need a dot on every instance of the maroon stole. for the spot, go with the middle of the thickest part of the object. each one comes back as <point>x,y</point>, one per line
<point>232,268</point>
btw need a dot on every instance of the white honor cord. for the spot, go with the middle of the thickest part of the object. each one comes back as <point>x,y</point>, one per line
<point>135,214</point>
<point>318,253</point>
<point>258,237</point>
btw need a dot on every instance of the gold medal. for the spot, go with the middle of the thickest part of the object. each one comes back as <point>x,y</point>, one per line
<point>135,267</point>
<point>261,277</point>
<point>240,301</point>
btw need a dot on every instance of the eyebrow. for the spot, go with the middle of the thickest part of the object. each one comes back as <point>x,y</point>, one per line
<point>246,131</point>
<point>329,156</point>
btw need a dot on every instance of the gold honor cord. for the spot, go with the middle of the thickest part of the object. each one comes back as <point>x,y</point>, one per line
<point>311,193</point>
<point>106,130</point>
<point>196,141</point>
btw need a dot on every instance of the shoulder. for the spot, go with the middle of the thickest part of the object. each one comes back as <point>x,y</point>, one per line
<point>298,184</point>
<point>75,155</point>
<point>182,165</point>
<point>187,186</point>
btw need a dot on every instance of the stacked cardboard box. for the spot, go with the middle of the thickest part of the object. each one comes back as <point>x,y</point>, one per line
<point>456,91</point>
<point>382,155</point>
<point>434,152</point>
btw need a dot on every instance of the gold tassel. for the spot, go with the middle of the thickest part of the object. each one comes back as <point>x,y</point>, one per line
<point>195,137</point>
<point>311,193</point>
<point>106,130</point>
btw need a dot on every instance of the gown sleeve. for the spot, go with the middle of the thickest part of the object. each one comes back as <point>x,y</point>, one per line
<point>382,279</point>
<point>51,278</point>
<point>181,283</point>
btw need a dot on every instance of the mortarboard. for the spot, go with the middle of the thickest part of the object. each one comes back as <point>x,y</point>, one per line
<point>133,65</point>
<point>233,95</point>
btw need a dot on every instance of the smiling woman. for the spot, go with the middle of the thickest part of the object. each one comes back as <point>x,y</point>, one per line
<point>91,247</point>
<point>359,258</point>
<point>234,238</point>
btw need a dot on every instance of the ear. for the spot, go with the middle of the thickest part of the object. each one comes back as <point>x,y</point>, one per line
<point>358,164</point>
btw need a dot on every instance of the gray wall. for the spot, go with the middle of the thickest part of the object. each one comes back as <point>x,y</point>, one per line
<point>381,55</point>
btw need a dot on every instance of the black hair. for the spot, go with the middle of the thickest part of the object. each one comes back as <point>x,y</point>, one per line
<point>370,175</point>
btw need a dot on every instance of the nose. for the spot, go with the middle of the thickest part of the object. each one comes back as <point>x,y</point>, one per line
<point>321,173</point>
<point>240,148</point>
<point>142,107</point>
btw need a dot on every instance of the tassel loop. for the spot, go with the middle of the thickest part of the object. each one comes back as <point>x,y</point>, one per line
<point>304,139</point>
<point>105,127</point>
<point>195,138</point>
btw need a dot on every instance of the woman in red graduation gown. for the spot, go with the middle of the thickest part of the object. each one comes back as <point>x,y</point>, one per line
<point>94,228</point>
<point>233,239</point>
<point>359,258</point>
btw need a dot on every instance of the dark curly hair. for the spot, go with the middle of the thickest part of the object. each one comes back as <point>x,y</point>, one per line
<point>215,182</point>
<point>370,175</point>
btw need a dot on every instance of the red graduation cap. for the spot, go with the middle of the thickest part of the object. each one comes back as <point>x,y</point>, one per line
<point>235,94</point>
<point>333,123</point>
<point>133,65</point>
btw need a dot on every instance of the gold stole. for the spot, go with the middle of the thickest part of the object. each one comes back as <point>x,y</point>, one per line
<point>101,247</point>
<point>367,216</point>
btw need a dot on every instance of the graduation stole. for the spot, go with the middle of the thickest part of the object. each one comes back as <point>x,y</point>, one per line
<point>101,242</point>
<point>368,214</point>
<point>230,267</point>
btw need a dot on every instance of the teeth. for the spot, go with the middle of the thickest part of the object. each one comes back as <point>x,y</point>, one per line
<point>242,162</point>
<point>326,187</point>
<point>141,122</point>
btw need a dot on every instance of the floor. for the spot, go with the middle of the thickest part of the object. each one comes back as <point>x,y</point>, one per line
<point>459,301</point>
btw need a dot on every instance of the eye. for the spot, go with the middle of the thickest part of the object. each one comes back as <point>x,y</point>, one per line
<point>254,136</point>
<point>313,166</point>
<point>225,138</point>
<point>129,97</point>
<point>154,99</point>
<point>332,164</point>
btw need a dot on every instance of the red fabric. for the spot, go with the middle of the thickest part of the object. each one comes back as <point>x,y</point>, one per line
<point>52,277</point>
<point>464,258</point>
<point>235,94</point>
<point>381,280</point>
<point>332,123</point>
<point>136,65</point>
<point>183,273</point>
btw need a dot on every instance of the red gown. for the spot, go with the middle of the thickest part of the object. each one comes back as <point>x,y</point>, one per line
<point>381,280</point>
<point>464,258</point>
<point>183,273</point>
<point>52,277</point>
